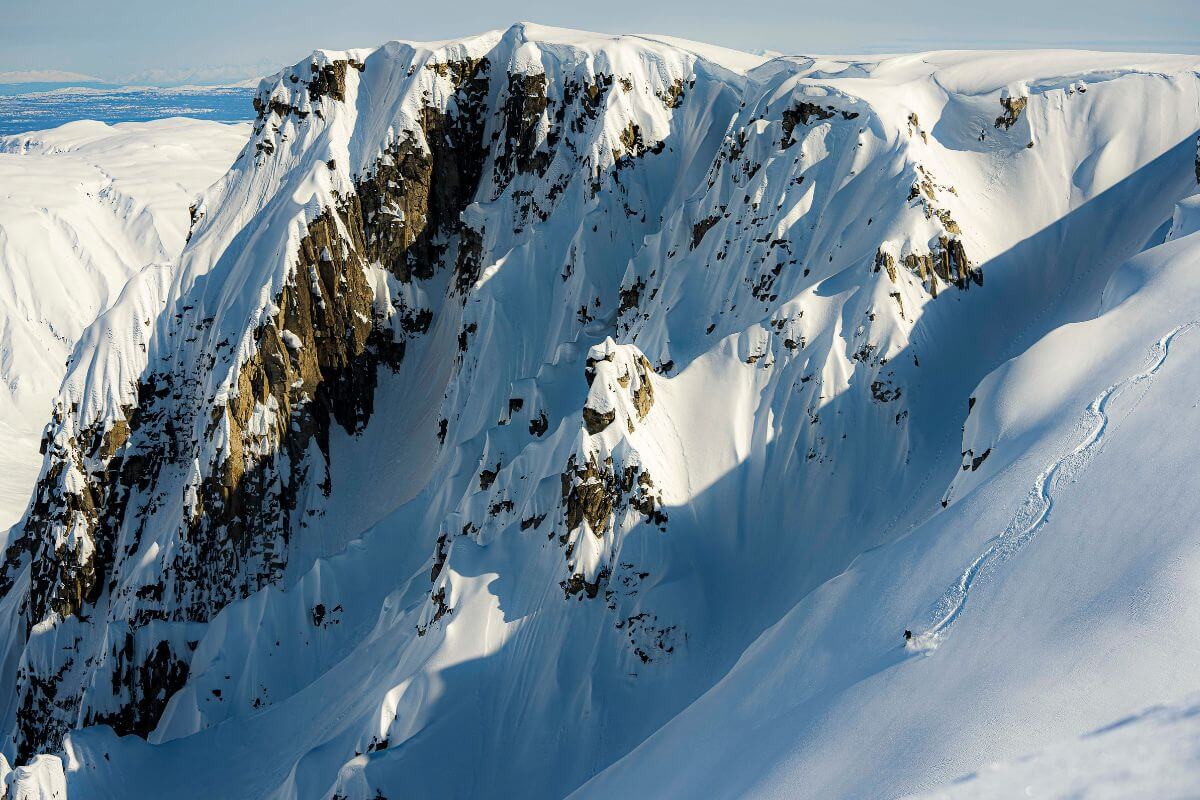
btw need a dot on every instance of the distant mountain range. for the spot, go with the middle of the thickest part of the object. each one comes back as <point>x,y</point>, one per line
<point>42,80</point>
<point>49,76</point>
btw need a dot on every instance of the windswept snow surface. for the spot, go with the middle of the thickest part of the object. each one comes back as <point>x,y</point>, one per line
<point>83,207</point>
<point>1154,753</point>
<point>546,413</point>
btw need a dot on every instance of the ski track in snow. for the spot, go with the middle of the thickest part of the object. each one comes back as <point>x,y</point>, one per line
<point>1035,511</point>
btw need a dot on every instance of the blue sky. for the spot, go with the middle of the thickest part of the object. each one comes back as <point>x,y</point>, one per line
<point>119,39</point>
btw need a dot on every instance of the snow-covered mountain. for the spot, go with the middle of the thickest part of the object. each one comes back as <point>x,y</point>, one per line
<point>543,412</point>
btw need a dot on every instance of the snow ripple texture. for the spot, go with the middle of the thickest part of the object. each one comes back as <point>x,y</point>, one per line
<point>1035,511</point>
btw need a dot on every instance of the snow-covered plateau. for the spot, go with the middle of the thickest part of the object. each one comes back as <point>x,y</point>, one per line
<point>83,208</point>
<point>546,414</point>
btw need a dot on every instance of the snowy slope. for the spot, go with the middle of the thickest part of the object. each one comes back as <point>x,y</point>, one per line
<point>1069,623</point>
<point>546,412</point>
<point>1152,753</point>
<point>82,209</point>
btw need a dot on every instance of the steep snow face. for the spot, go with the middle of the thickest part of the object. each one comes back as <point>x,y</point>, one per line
<point>1049,598</point>
<point>83,208</point>
<point>528,412</point>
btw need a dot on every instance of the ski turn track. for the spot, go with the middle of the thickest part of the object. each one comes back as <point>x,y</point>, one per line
<point>1035,511</point>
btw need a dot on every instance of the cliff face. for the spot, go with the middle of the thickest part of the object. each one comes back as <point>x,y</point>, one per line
<point>595,351</point>
<point>220,457</point>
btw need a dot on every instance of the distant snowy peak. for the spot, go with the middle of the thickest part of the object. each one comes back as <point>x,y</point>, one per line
<point>48,76</point>
<point>210,75</point>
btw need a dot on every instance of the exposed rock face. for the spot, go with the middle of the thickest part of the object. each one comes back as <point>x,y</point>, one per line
<point>948,263</point>
<point>523,111</point>
<point>1013,106</point>
<point>410,205</point>
<point>314,364</point>
<point>804,113</point>
<point>596,493</point>
<point>702,227</point>
<point>800,114</point>
<point>619,378</point>
<point>590,492</point>
<point>596,421</point>
<point>886,262</point>
<point>329,80</point>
